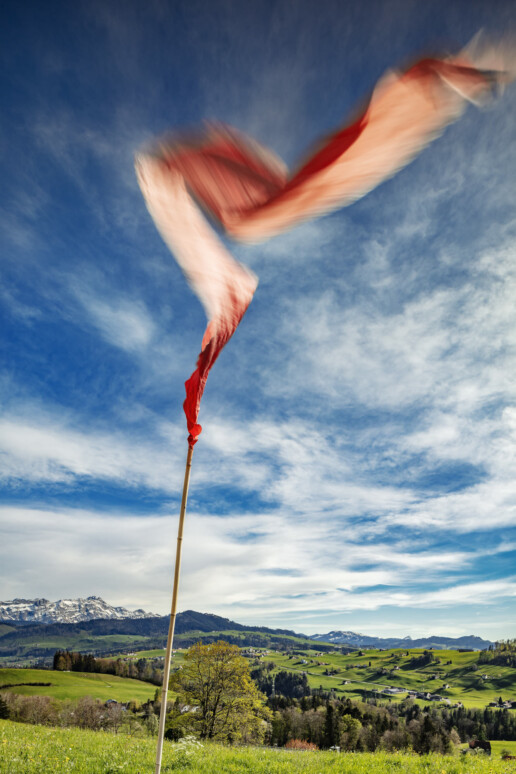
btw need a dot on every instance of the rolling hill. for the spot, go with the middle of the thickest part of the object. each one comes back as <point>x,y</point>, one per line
<point>30,639</point>
<point>25,644</point>
<point>74,685</point>
<point>452,675</point>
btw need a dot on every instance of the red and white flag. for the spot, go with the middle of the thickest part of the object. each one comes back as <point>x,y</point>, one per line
<point>246,188</point>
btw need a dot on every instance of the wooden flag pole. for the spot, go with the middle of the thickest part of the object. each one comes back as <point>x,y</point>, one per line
<point>171,626</point>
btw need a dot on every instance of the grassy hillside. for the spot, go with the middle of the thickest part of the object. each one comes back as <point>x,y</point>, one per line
<point>473,685</point>
<point>73,685</point>
<point>248,637</point>
<point>40,750</point>
<point>23,645</point>
<point>457,670</point>
<point>497,747</point>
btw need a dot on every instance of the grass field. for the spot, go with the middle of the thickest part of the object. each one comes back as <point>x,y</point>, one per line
<point>41,750</point>
<point>497,747</point>
<point>73,685</point>
<point>364,674</point>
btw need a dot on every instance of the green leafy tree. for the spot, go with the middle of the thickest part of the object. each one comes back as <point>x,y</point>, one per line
<point>218,697</point>
<point>349,732</point>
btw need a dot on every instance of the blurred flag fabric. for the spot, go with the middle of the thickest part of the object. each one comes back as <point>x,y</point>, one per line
<point>247,190</point>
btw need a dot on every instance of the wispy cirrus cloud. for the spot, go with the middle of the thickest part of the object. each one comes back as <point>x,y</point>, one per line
<point>47,450</point>
<point>125,324</point>
<point>284,566</point>
<point>356,464</point>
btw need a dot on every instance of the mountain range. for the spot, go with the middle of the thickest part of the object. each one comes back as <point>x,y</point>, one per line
<point>355,640</point>
<point>25,611</point>
<point>110,620</point>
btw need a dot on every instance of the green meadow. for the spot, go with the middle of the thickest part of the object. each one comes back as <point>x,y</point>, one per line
<point>42,750</point>
<point>376,670</point>
<point>470,683</point>
<point>497,747</point>
<point>74,685</point>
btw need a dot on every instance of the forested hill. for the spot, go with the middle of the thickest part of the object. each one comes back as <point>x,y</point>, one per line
<point>19,643</point>
<point>22,643</point>
<point>188,621</point>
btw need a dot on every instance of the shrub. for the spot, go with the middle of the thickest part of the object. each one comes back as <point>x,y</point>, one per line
<point>300,744</point>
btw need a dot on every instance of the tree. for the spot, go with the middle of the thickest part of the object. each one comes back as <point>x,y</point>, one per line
<point>218,697</point>
<point>349,732</point>
<point>4,709</point>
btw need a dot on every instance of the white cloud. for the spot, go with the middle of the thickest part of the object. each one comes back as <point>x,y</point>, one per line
<point>127,559</point>
<point>379,349</point>
<point>451,347</point>
<point>484,508</point>
<point>48,451</point>
<point>125,324</point>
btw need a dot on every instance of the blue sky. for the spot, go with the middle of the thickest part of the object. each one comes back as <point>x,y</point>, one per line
<point>356,467</point>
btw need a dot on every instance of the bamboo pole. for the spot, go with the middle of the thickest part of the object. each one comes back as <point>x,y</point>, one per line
<point>171,626</point>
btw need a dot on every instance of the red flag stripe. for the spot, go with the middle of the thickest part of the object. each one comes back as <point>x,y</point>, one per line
<point>246,188</point>
<point>224,286</point>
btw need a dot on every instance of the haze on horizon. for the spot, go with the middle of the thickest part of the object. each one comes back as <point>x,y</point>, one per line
<point>356,467</point>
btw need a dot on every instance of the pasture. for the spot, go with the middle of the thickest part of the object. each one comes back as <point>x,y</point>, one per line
<point>359,676</point>
<point>74,685</point>
<point>453,675</point>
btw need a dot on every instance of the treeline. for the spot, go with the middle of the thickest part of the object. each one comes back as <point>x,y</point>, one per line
<point>359,726</point>
<point>503,653</point>
<point>148,634</point>
<point>291,684</point>
<point>425,659</point>
<point>251,639</point>
<point>469,723</point>
<point>483,724</point>
<point>148,670</point>
<point>318,717</point>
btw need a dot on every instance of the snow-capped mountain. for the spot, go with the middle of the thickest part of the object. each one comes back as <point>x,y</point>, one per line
<point>64,611</point>
<point>365,641</point>
<point>347,638</point>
